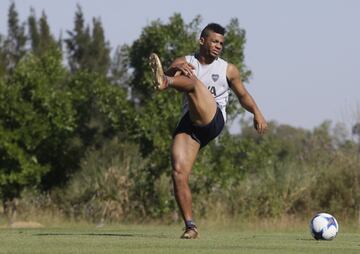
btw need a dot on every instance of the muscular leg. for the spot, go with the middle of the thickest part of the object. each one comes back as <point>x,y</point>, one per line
<point>202,105</point>
<point>202,109</point>
<point>183,155</point>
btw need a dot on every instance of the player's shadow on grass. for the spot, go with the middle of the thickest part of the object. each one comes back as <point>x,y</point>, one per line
<point>305,239</point>
<point>102,234</point>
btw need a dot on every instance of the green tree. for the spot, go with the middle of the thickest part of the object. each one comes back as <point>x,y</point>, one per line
<point>158,111</point>
<point>119,73</point>
<point>78,43</point>
<point>47,40</point>
<point>40,36</point>
<point>169,41</point>
<point>36,118</point>
<point>14,45</point>
<point>88,51</point>
<point>34,35</point>
<point>99,50</point>
<point>235,40</point>
<point>48,120</point>
<point>101,113</point>
<point>2,57</point>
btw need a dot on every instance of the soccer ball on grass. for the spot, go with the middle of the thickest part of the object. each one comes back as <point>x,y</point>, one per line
<point>323,226</point>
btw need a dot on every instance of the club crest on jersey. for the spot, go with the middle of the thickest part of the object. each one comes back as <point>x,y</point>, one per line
<point>215,77</point>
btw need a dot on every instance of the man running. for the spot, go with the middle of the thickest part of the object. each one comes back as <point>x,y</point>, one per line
<point>205,80</point>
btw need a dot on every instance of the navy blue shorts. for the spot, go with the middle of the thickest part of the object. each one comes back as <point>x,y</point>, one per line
<point>202,134</point>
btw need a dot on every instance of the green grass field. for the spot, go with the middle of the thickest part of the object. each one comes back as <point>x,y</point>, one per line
<point>165,239</point>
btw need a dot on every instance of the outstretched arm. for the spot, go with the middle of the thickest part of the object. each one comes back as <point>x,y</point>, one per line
<point>245,99</point>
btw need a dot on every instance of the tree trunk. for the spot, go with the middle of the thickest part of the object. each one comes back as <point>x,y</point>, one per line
<point>9,206</point>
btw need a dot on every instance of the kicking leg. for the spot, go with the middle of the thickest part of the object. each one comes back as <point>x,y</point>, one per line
<point>202,105</point>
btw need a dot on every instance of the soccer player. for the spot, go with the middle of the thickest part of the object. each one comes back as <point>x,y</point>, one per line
<point>205,79</point>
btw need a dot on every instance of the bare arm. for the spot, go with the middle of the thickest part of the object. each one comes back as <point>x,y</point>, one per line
<point>180,66</point>
<point>245,99</point>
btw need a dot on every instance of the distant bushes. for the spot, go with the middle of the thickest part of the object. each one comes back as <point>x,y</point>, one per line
<point>83,136</point>
<point>316,174</point>
<point>114,183</point>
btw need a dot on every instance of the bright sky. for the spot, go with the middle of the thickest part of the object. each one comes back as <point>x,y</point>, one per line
<point>304,54</point>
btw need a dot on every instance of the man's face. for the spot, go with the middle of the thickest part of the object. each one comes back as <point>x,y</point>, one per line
<point>213,44</point>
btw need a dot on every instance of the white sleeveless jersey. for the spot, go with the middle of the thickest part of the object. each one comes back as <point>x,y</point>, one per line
<point>213,76</point>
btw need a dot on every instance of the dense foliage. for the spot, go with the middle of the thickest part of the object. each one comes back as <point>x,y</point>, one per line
<point>83,134</point>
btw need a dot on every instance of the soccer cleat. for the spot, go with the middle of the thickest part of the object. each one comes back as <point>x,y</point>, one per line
<point>190,233</point>
<point>159,79</point>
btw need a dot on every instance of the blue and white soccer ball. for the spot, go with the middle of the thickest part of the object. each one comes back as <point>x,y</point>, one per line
<point>323,226</point>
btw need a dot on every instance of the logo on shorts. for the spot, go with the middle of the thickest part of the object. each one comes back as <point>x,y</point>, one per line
<point>215,77</point>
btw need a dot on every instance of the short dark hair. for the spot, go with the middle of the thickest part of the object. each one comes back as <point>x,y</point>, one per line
<point>212,27</point>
